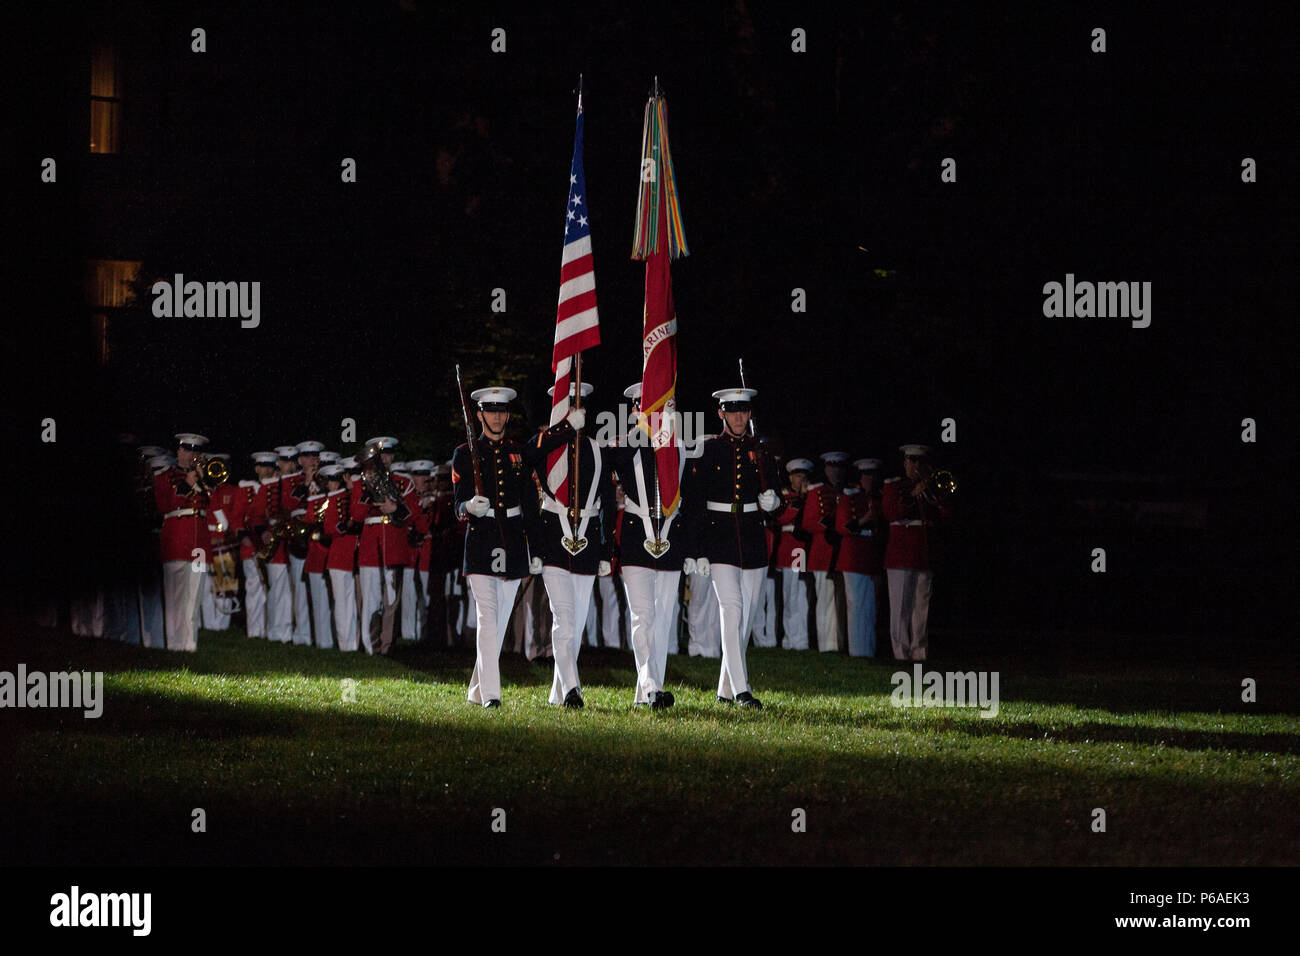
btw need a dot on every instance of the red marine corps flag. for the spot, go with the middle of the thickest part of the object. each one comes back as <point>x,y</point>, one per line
<point>576,324</point>
<point>659,239</point>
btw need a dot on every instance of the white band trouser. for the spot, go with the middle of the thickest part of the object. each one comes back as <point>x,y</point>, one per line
<point>652,612</point>
<point>763,627</point>
<point>794,617</point>
<point>828,612</point>
<point>494,598</point>
<point>738,590</point>
<point>321,616</point>
<point>181,604</point>
<point>343,584</point>
<point>909,612</point>
<point>301,603</point>
<point>410,610</point>
<point>380,588</point>
<point>254,600</point>
<point>570,597</point>
<point>702,618</point>
<point>860,609</point>
<point>279,604</point>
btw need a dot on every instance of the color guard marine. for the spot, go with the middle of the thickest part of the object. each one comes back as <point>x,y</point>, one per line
<point>726,490</point>
<point>573,554</point>
<point>652,548</point>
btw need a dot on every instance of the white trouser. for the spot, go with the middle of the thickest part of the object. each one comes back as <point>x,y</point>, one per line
<point>181,604</point>
<point>610,618</point>
<point>860,609</point>
<point>212,616</point>
<point>738,591</point>
<point>301,603</point>
<point>153,629</point>
<point>410,610</point>
<point>343,584</point>
<point>254,600</point>
<point>379,588</point>
<point>909,612</point>
<point>422,603</point>
<point>86,612</point>
<point>763,628</point>
<point>652,611</point>
<point>794,593</point>
<point>570,597</point>
<point>828,612</point>
<point>702,616</point>
<point>279,604</point>
<point>494,598</point>
<point>320,609</point>
<point>591,630</point>
<point>456,603</point>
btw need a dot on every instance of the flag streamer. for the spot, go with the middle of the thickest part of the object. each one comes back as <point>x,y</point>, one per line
<point>656,167</point>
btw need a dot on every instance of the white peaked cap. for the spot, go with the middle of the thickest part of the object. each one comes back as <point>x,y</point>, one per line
<point>799,464</point>
<point>331,471</point>
<point>329,457</point>
<point>264,457</point>
<point>399,466</point>
<point>309,447</point>
<point>914,449</point>
<point>496,395</point>
<point>385,442</point>
<point>587,389</point>
<point>735,394</point>
<point>834,457</point>
<point>633,391</point>
<point>161,462</point>
<point>868,464</point>
<point>286,451</point>
<point>421,465</point>
<point>151,451</point>
<point>191,439</point>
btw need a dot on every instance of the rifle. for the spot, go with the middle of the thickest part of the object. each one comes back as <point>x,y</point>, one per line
<point>473,455</point>
<point>758,455</point>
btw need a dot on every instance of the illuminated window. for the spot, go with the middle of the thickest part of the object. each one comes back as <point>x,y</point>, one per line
<point>105,101</point>
<point>110,283</point>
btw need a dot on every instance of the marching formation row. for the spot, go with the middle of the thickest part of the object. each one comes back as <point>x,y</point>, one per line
<point>337,551</point>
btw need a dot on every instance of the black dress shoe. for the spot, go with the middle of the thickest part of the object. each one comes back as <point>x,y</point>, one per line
<point>747,699</point>
<point>573,699</point>
<point>725,700</point>
<point>493,703</point>
<point>668,697</point>
<point>658,700</point>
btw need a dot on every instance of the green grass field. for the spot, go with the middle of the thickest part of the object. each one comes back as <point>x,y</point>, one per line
<point>259,737</point>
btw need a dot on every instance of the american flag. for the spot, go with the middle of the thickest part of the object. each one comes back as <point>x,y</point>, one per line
<point>577,326</point>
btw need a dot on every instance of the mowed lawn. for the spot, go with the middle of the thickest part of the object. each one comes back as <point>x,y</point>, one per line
<point>259,737</point>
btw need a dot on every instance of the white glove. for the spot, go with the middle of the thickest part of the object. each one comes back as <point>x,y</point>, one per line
<point>768,500</point>
<point>702,566</point>
<point>478,506</point>
<point>604,570</point>
<point>535,566</point>
<point>577,418</point>
<point>688,566</point>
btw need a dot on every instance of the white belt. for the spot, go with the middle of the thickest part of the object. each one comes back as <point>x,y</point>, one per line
<point>550,504</point>
<point>865,533</point>
<point>382,519</point>
<point>727,506</point>
<point>909,523</point>
<point>296,512</point>
<point>186,512</point>
<point>787,527</point>
<point>514,512</point>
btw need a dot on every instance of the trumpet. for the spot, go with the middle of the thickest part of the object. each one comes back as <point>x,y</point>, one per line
<point>937,486</point>
<point>211,471</point>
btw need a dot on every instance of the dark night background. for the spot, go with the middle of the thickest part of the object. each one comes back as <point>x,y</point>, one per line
<point>817,170</point>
